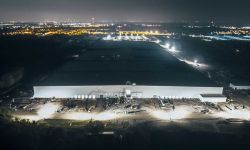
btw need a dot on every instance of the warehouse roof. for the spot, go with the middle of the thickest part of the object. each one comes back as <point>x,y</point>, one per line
<point>118,63</point>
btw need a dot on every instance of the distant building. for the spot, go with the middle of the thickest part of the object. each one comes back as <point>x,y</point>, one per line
<point>239,87</point>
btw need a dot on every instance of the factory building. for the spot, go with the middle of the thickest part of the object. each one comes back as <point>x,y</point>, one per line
<point>131,69</point>
<point>135,91</point>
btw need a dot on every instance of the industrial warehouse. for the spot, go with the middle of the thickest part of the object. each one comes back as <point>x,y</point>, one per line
<point>130,69</point>
<point>124,74</point>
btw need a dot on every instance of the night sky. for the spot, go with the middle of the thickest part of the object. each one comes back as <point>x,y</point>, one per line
<point>227,11</point>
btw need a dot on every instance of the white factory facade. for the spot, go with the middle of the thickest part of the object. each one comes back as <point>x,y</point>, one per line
<point>134,91</point>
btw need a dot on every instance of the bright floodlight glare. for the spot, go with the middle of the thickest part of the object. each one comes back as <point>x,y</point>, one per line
<point>157,41</point>
<point>234,114</point>
<point>105,116</point>
<point>77,116</point>
<point>167,45</point>
<point>179,114</point>
<point>171,115</point>
<point>87,116</point>
<point>47,110</point>
<point>161,115</point>
<point>195,64</point>
<point>173,49</point>
<point>109,37</point>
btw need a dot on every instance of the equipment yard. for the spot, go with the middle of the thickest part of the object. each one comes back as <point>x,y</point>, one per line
<point>122,112</point>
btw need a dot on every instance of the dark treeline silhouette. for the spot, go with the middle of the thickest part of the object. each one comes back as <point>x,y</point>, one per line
<point>26,58</point>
